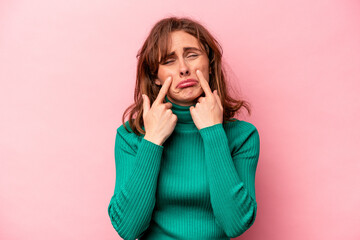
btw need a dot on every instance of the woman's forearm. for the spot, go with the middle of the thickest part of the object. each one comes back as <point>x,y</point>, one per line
<point>133,202</point>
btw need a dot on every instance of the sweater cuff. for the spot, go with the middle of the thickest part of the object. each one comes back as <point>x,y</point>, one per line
<point>213,134</point>
<point>150,150</point>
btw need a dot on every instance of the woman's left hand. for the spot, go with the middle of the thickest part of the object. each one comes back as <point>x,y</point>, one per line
<point>208,111</point>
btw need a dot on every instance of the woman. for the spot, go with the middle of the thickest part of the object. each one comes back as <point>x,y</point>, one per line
<point>185,168</point>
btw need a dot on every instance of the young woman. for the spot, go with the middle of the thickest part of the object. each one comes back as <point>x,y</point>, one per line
<point>185,168</point>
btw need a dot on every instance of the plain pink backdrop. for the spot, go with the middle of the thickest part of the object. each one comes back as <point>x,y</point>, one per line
<point>67,73</point>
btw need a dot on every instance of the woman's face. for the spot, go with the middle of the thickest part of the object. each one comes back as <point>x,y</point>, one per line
<point>184,58</point>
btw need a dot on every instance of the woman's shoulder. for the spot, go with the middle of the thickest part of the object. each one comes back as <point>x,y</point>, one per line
<point>125,131</point>
<point>240,131</point>
<point>236,125</point>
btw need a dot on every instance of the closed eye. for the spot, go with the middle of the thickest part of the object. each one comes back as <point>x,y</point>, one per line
<point>169,61</point>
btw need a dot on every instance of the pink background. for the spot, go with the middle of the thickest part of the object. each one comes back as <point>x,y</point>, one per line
<point>67,73</point>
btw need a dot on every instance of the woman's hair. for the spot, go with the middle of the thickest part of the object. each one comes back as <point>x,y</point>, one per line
<point>148,64</point>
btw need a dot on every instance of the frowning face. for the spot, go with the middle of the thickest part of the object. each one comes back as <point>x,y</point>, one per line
<point>183,59</point>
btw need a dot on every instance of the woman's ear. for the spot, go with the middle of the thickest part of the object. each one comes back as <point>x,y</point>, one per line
<point>157,82</point>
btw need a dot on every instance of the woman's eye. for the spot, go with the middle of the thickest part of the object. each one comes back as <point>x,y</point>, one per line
<point>169,61</point>
<point>193,55</point>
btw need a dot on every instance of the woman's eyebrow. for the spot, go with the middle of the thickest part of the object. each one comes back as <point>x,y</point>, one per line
<point>185,50</point>
<point>191,48</point>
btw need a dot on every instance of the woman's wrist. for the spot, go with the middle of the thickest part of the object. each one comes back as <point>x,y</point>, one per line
<point>153,140</point>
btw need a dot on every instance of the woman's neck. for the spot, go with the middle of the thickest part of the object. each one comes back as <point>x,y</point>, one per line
<point>184,119</point>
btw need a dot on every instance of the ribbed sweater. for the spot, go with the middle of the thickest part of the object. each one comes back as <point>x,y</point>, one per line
<point>200,184</point>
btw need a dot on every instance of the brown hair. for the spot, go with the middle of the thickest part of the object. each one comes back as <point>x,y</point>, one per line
<point>148,63</point>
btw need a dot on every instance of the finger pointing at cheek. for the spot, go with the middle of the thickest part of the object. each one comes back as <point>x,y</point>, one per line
<point>204,83</point>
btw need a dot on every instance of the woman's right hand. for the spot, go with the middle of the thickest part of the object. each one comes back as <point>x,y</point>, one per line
<point>159,120</point>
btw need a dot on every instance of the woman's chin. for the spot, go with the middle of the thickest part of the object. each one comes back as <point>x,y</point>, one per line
<point>189,98</point>
<point>190,93</point>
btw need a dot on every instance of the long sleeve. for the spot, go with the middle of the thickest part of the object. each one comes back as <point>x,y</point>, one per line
<point>232,176</point>
<point>137,170</point>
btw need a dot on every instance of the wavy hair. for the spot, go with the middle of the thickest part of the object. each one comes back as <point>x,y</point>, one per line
<point>155,46</point>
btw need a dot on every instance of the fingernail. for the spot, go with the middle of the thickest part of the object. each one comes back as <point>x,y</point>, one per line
<point>197,71</point>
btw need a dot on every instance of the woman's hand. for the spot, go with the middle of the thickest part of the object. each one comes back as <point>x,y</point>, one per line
<point>159,120</point>
<point>208,111</point>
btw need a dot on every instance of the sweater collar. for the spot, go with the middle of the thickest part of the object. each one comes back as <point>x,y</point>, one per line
<point>184,119</point>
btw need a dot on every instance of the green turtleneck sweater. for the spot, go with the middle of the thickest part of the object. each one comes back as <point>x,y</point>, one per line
<point>200,184</point>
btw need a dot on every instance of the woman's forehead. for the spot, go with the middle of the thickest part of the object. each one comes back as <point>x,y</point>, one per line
<point>179,41</point>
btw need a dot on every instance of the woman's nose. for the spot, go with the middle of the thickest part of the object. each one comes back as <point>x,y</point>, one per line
<point>184,72</point>
<point>184,69</point>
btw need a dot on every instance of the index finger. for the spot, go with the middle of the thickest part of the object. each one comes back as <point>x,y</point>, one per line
<point>164,89</point>
<point>204,84</point>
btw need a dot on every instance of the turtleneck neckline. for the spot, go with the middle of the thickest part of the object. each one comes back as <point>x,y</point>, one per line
<point>184,119</point>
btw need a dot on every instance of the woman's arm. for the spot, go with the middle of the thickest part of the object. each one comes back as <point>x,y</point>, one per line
<point>232,175</point>
<point>137,171</point>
